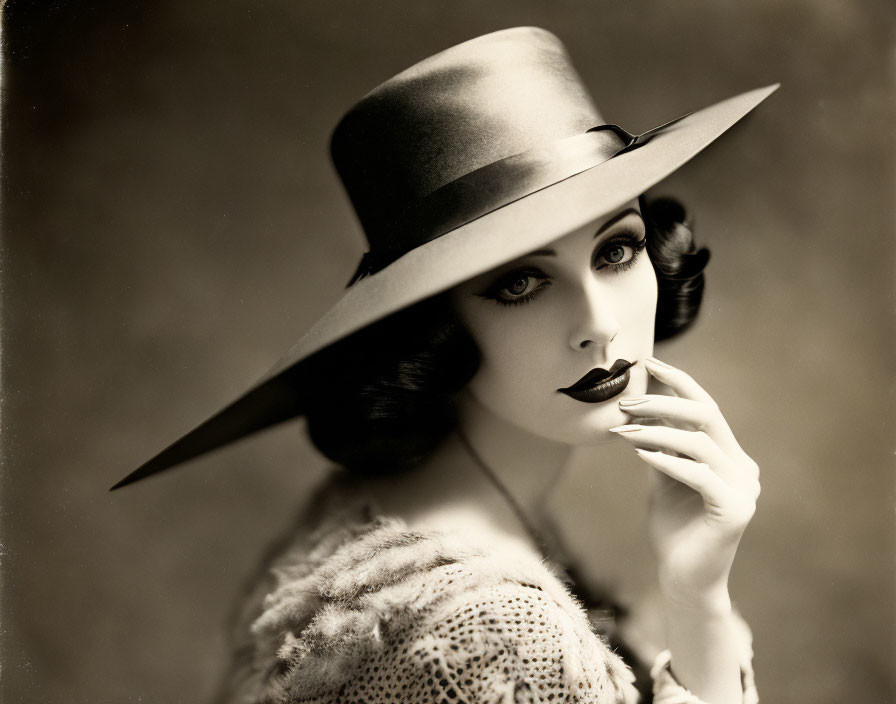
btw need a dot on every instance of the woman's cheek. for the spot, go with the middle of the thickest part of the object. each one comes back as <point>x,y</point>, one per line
<point>639,307</point>
<point>518,374</point>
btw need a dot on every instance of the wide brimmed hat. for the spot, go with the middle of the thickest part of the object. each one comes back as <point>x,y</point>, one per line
<point>463,162</point>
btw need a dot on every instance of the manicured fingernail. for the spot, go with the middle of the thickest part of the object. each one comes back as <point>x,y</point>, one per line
<point>642,451</point>
<point>626,428</point>
<point>657,362</point>
<point>633,401</point>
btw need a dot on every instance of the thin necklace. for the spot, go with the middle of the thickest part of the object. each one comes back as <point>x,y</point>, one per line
<point>600,607</point>
<point>537,536</point>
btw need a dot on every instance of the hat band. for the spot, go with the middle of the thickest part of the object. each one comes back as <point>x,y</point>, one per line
<point>493,186</point>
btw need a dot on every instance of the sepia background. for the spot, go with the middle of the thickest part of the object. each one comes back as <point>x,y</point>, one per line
<point>171,224</point>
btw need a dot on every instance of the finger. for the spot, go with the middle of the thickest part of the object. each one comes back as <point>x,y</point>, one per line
<point>699,415</point>
<point>697,475</point>
<point>674,408</point>
<point>680,382</point>
<point>695,444</point>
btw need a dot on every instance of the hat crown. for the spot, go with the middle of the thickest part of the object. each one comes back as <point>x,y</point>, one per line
<point>476,103</point>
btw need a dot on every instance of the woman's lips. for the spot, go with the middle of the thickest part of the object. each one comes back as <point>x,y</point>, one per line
<point>599,384</point>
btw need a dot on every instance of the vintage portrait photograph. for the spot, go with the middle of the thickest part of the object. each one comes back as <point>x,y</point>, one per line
<point>447,352</point>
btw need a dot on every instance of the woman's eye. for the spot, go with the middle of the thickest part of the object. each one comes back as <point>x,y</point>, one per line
<point>618,254</point>
<point>517,287</point>
<point>615,254</point>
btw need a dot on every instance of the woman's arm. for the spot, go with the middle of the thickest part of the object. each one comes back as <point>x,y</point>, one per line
<point>704,495</point>
<point>704,652</point>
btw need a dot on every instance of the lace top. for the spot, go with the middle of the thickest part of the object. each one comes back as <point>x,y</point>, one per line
<point>359,608</point>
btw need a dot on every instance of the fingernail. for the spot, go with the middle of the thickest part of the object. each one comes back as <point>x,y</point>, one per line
<point>654,360</point>
<point>626,428</point>
<point>633,401</point>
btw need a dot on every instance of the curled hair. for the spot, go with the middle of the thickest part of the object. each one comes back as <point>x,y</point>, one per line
<point>381,400</point>
<point>384,397</point>
<point>678,264</point>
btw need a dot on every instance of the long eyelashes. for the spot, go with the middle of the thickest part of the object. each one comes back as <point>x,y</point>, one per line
<point>634,243</point>
<point>521,285</point>
<point>517,287</point>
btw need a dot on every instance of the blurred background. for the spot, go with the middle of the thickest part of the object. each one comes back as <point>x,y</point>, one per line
<point>172,224</point>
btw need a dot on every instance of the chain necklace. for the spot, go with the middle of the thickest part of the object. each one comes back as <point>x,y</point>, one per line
<point>546,545</point>
<point>601,610</point>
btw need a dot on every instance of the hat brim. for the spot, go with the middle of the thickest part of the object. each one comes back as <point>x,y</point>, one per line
<point>477,247</point>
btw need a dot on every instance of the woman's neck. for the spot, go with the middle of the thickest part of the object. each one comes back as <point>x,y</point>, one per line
<point>529,467</point>
<point>453,488</point>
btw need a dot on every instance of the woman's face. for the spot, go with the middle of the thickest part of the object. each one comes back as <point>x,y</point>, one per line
<point>544,321</point>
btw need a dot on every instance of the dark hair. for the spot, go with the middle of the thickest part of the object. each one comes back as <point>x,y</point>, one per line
<point>381,400</point>
<point>678,264</point>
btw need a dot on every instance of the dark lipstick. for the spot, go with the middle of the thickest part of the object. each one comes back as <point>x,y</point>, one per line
<point>599,384</point>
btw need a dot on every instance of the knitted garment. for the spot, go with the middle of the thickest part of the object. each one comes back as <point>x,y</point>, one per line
<point>363,609</point>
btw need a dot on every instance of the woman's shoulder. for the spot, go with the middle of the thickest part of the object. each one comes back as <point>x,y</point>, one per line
<point>365,607</point>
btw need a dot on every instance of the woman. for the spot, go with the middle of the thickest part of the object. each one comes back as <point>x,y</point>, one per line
<point>505,313</point>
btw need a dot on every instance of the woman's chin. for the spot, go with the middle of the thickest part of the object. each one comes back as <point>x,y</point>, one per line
<point>591,422</point>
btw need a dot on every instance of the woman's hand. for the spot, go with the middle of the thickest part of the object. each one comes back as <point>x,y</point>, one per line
<point>704,492</point>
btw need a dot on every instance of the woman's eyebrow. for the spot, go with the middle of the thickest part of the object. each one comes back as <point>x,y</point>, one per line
<point>612,221</point>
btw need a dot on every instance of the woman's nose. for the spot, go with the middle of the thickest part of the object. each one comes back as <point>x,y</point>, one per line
<point>596,322</point>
